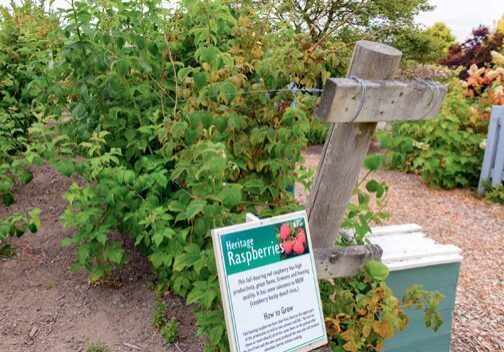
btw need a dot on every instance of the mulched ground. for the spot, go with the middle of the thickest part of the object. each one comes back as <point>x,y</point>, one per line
<point>46,307</point>
<point>476,226</point>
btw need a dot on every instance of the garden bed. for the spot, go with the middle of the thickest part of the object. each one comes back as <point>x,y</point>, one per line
<point>40,294</point>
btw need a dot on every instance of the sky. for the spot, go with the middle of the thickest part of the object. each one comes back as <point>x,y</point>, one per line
<point>463,15</point>
<point>460,15</point>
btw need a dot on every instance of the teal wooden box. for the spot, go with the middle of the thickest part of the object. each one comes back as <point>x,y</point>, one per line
<point>413,258</point>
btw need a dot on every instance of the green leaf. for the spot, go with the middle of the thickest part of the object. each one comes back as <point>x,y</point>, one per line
<point>231,195</point>
<point>115,254</point>
<point>207,54</point>
<point>66,167</point>
<point>176,206</point>
<point>187,259</point>
<point>160,258</point>
<point>372,186</point>
<point>25,176</point>
<point>195,207</point>
<point>200,80</point>
<point>377,270</point>
<point>215,334</point>
<point>82,254</point>
<point>373,162</point>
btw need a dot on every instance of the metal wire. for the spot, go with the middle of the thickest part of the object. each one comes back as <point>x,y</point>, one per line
<point>432,85</point>
<point>363,90</point>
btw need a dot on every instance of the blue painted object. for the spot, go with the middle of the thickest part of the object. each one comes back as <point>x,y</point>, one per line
<point>493,162</point>
<point>413,258</point>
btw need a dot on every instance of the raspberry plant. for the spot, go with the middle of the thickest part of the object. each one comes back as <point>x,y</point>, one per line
<point>177,121</point>
<point>173,131</point>
<point>24,58</point>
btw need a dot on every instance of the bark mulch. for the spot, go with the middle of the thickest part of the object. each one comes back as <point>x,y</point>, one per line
<point>475,225</point>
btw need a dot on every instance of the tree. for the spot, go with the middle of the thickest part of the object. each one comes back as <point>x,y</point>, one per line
<point>442,36</point>
<point>475,51</point>
<point>323,18</point>
<point>424,46</point>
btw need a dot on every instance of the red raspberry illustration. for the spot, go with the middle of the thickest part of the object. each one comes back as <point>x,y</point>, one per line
<point>285,231</point>
<point>287,246</point>
<point>300,234</point>
<point>298,247</point>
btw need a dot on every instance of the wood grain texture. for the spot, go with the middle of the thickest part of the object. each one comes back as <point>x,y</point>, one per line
<point>382,101</point>
<point>344,261</point>
<point>345,148</point>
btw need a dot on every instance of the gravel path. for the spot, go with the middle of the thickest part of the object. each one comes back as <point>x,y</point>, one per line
<point>476,226</point>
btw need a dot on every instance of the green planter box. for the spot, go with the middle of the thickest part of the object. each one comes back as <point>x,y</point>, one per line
<point>413,258</point>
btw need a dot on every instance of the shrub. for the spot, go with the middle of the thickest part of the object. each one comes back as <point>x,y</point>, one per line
<point>24,58</point>
<point>317,132</point>
<point>173,131</point>
<point>475,50</point>
<point>494,194</point>
<point>447,151</point>
<point>180,122</point>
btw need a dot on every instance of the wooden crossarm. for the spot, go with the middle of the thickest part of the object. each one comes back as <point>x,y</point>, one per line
<point>382,100</point>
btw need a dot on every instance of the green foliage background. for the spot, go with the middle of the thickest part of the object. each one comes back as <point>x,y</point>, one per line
<point>177,121</point>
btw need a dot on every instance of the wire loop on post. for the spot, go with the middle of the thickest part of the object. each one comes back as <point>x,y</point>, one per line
<point>431,85</point>
<point>363,90</point>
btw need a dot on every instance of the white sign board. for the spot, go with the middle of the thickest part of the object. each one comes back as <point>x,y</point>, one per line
<point>269,285</point>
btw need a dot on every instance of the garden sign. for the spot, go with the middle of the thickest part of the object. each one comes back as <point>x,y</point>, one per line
<point>269,286</point>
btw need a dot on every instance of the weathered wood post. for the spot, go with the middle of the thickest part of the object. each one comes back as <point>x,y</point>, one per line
<point>355,106</point>
<point>345,147</point>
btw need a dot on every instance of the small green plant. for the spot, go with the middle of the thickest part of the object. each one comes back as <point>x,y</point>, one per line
<point>167,329</point>
<point>24,59</point>
<point>18,224</point>
<point>158,316</point>
<point>97,347</point>
<point>495,194</point>
<point>7,251</point>
<point>361,215</point>
<point>170,331</point>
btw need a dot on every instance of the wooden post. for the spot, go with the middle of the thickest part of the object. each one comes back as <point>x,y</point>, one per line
<point>345,148</point>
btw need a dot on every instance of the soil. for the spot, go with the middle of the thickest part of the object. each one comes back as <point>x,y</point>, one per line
<point>44,306</point>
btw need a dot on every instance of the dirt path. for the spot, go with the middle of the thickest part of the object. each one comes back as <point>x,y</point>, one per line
<point>40,296</point>
<point>477,227</point>
<point>44,306</point>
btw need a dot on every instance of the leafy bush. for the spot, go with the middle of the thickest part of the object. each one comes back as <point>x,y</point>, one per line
<point>174,134</point>
<point>317,132</point>
<point>17,224</point>
<point>170,331</point>
<point>494,194</point>
<point>24,58</point>
<point>178,121</point>
<point>447,151</point>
